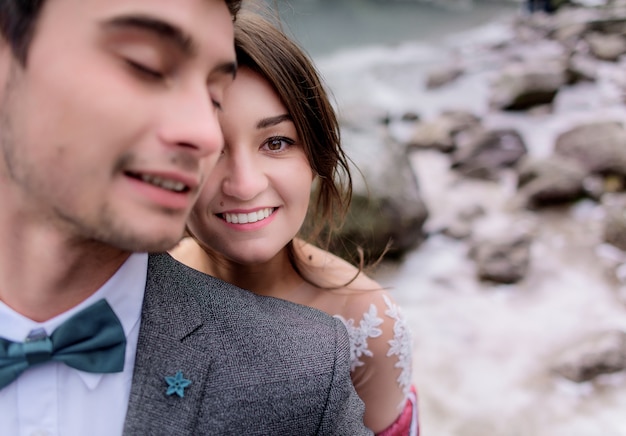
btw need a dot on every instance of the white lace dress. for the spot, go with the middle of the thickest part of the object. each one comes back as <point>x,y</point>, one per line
<point>382,339</point>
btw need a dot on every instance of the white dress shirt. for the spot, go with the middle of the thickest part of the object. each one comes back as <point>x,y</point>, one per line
<point>53,399</point>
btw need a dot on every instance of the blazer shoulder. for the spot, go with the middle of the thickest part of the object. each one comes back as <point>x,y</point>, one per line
<point>216,298</point>
<point>283,367</point>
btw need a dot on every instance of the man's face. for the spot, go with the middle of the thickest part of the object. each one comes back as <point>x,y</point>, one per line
<point>109,130</point>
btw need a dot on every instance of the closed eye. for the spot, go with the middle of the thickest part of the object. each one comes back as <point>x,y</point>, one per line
<point>145,71</point>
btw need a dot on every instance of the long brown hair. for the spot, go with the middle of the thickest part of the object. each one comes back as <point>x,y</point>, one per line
<point>263,47</point>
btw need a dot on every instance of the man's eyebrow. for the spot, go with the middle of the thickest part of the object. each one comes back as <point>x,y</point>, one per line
<point>227,68</point>
<point>159,28</point>
<point>272,121</point>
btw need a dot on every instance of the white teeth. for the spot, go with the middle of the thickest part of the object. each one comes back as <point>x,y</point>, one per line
<point>245,218</point>
<point>170,185</point>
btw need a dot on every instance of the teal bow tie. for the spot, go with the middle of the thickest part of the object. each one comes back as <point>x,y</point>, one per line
<point>92,340</point>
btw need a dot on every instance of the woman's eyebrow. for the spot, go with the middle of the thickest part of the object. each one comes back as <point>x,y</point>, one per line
<point>272,121</point>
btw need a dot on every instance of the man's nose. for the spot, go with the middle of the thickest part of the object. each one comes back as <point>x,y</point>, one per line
<point>192,124</point>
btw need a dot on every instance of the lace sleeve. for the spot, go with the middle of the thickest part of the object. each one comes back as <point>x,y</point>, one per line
<point>381,357</point>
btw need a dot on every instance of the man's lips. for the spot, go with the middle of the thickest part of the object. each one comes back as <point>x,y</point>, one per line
<point>247,218</point>
<point>171,190</point>
<point>176,183</point>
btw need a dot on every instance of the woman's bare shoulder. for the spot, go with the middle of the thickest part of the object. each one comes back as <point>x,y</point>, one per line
<point>358,290</point>
<point>334,271</point>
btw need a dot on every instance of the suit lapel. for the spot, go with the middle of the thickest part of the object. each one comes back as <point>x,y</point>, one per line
<point>169,315</point>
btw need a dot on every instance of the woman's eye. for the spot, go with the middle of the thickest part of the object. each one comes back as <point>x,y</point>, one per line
<point>146,71</point>
<point>278,143</point>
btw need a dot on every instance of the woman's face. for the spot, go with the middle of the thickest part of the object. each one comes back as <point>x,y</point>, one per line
<point>255,200</point>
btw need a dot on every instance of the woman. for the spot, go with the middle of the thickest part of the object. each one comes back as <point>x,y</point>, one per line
<point>281,142</point>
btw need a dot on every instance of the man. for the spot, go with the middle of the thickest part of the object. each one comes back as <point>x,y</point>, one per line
<point>108,125</point>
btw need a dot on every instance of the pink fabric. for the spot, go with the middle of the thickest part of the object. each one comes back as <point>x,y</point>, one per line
<point>407,423</point>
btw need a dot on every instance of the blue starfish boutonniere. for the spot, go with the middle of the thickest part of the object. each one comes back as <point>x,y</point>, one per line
<point>177,384</point>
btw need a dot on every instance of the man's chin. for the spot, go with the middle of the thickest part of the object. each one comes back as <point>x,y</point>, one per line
<point>145,240</point>
<point>128,229</point>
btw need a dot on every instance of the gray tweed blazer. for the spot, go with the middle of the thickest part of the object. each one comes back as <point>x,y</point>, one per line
<point>257,365</point>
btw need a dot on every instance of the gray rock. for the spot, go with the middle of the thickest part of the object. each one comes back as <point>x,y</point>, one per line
<point>600,147</point>
<point>483,153</point>
<point>614,226</point>
<point>502,259</point>
<point>582,67</point>
<point>600,353</point>
<point>606,47</point>
<point>443,76</point>
<point>550,181</point>
<point>387,211</point>
<point>521,86</point>
<point>440,133</point>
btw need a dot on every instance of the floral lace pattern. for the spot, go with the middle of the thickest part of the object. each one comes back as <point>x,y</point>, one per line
<point>399,345</point>
<point>367,328</point>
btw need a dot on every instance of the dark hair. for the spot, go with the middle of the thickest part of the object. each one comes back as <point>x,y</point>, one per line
<point>19,17</point>
<point>17,24</point>
<point>264,48</point>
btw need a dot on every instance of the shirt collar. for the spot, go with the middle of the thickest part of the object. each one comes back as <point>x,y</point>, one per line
<point>123,291</point>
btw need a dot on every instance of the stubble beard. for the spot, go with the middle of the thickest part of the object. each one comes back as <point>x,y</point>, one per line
<point>104,230</point>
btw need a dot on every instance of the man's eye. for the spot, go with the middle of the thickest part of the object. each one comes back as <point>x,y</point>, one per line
<point>146,71</point>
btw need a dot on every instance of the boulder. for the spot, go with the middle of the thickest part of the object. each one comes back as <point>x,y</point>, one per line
<point>606,47</point>
<point>550,181</point>
<point>502,259</point>
<point>614,225</point>
<point>440,132</point>
<point>482,153</point>
<point>582,67</point>
<point>599,147</point>
<point>442,76</point>
<point>597,354</point>
<point>387,211</point>
<point>523,85</point>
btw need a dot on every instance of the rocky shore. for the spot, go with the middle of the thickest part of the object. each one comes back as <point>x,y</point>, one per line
<point>498,173</point>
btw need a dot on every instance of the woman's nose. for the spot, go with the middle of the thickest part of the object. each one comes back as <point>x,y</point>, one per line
<point>244,178</point>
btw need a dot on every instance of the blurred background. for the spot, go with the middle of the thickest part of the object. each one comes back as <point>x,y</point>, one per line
<point>326,26</point>
<point>490,137</point>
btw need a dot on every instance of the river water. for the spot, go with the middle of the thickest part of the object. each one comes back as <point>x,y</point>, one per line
<point>482,352</point>
<point>323,27</point>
